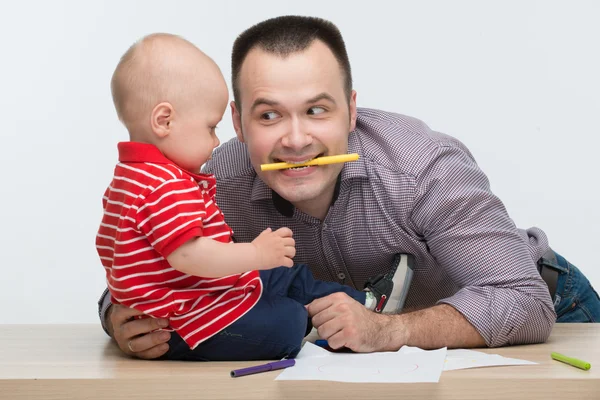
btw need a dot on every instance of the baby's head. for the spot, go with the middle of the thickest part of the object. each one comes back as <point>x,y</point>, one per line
<point>169,93</point>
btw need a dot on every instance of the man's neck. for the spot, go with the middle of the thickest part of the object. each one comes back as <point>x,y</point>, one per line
<point>318,207</point>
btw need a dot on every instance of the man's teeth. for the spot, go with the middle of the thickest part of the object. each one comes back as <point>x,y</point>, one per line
<point>296,162</point>
<point>299,162</point>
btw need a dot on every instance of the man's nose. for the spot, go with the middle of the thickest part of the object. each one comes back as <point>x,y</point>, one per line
<point>297,136</point>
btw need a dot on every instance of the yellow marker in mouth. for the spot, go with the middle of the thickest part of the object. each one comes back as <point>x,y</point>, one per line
<point>315,161</point>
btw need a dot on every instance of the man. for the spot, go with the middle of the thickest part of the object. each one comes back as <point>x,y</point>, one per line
<point>478,280</point>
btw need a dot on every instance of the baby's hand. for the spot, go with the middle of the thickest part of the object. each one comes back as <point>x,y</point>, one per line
<point>275,249</point>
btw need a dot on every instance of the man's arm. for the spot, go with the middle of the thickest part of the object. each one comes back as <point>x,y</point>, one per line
<point>479,248</point>
<point>434,327</point>
<point>502,298</point>
<point>344,322</point>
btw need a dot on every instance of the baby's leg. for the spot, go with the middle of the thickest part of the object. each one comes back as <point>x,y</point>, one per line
<point>299,284</point>
<point>272,329</point>
<point>385,293</point>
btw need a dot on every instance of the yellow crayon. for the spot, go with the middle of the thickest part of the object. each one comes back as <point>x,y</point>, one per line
<point>315,161</point>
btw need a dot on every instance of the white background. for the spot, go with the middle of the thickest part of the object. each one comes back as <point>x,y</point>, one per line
<point>516,81</point>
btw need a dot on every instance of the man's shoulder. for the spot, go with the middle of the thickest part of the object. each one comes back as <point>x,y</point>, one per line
<point>230,161</point>
<point>400,142</point>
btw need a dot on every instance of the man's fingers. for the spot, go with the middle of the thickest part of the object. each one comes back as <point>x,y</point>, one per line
<point>328,330</point>
<point>120,314</point>
<point>154,352</point>
<point>337,340</point>
<point>142,326</point>
<point>318,305</point>
<point>146,343</point>
<point>289,242</point>
<point>323,317</point>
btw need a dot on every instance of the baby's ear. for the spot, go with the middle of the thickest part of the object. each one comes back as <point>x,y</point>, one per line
<point>237,121</point>
<point>161,119</point>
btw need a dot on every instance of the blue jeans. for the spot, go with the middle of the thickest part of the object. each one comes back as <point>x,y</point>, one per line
<point>575,299</point>
<point>273,328</point>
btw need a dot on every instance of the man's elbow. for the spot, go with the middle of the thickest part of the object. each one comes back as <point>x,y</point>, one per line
<point>538,324</point>
<point>547,319</point>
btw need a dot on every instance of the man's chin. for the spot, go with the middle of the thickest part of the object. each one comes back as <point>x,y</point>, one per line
<point>296,193</point>
<point>300,189</point>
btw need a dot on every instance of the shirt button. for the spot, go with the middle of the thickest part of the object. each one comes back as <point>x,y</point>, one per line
<point>341,276</point>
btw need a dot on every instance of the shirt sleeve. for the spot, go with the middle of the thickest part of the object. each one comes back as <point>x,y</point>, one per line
<point>103,304</point>
<point>104,301</point>
<point>172,214</point>
<point>469,232</point>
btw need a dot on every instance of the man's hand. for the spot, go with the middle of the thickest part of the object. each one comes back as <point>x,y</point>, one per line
<point>344,322</point>
<point>275,248</point>
<point>135,337</point>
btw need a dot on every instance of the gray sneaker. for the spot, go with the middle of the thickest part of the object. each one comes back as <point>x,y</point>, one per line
<point>390,290</point>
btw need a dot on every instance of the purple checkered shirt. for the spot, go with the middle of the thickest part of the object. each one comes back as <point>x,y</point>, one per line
<point>415,191</point>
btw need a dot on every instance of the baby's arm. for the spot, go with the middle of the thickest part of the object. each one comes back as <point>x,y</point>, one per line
<point>209,258</point>
<point>172,217</point>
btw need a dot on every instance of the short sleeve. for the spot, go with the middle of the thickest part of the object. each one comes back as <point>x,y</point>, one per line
<point>172,214</point>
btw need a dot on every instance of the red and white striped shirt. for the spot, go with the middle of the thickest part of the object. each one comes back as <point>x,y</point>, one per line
<point>150,209</point>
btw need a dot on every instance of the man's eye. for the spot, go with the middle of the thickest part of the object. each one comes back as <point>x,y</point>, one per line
<point>315,110</point>
<point>268,116</point>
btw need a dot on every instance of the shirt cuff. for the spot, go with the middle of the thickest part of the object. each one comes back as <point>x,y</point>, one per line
<point>494,312</point>
<point>103,305</point>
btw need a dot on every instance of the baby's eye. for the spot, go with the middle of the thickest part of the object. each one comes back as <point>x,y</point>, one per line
<point>268,116</point>
<point>315,110</point>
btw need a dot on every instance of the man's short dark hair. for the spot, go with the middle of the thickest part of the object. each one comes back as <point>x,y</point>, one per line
<point>286,35</point>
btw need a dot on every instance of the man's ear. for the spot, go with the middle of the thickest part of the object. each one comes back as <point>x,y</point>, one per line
<point>237,121</point>
<point>352,108</point>
<point>161,119</point>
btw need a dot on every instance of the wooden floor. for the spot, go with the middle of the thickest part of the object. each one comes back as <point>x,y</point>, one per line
<point>80,362</point>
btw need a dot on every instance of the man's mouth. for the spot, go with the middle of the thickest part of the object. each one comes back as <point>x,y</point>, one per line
<point>277,160</point>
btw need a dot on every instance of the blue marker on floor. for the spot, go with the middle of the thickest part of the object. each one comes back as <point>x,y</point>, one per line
<point>323,343</point>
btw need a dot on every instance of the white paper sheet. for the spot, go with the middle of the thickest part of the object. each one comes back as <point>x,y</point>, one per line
<point>463,359</point>
<point>316,363</point>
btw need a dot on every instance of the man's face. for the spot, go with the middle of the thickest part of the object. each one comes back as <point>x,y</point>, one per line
<point>294,109</point>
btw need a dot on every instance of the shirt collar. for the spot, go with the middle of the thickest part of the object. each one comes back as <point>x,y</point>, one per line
<point>135,152</point>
